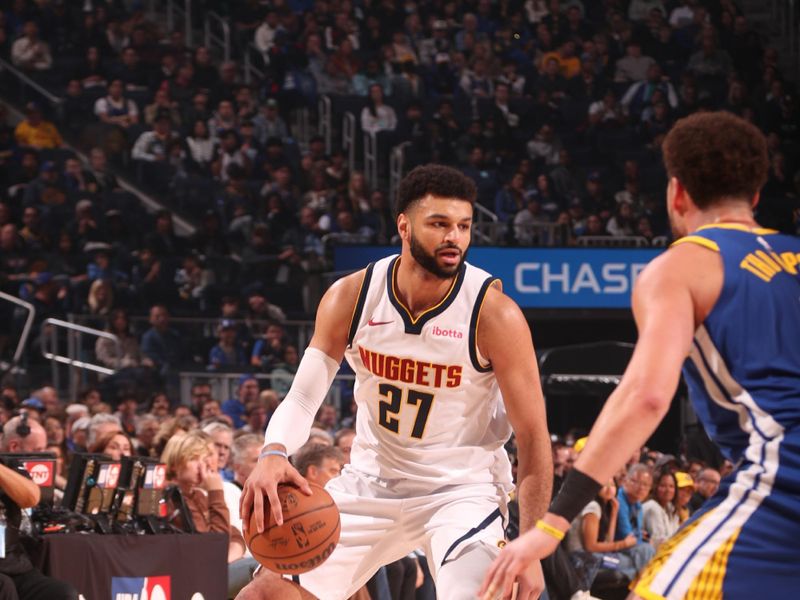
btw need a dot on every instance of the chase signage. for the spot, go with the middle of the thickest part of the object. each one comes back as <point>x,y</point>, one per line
<point>542,277</point>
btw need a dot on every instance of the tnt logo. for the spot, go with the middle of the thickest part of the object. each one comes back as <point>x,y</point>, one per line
<point>41,472</point>
<point>141,588</point>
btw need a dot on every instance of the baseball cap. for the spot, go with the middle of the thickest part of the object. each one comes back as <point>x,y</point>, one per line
<point>43,278</point>
<point>272,103</point>
<point>84,204</point>
<point>34,403</point>
<point>227,324</point>
<point>440,24</point>
<point>684,479</point>
<point>48,166</point>
<point>594,176</point>
<point>82,424</point>
<point>243,378</point>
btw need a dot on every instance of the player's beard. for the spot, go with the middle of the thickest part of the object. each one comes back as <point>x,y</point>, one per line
<point>429,262</point>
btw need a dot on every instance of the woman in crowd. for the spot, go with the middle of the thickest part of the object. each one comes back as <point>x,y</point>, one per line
<point>106,350</point>
<point>377,116</point>
<point>192,466</point>
<point>116,445</point>
<point>660,514</point>
<point>593,532</point>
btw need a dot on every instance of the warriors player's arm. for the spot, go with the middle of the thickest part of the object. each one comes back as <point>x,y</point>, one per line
<point>504,339</point>
<point>672,295</point>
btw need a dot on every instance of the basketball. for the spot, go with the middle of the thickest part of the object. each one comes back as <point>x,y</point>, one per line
<point>309,533</point>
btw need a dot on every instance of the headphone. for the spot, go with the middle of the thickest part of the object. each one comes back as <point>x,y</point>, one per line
<point>23,429</point>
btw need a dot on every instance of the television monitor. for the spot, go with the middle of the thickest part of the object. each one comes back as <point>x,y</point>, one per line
<point>91,484</point>
<point>141,490</point>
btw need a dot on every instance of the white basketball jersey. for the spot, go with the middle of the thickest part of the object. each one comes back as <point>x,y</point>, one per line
<point>429,408</point>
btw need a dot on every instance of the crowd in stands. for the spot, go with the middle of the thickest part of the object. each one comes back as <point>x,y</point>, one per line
<point>210,447</point>
<point>556,109</point>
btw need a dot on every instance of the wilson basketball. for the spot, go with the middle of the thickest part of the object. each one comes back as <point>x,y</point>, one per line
<point>309,533</point>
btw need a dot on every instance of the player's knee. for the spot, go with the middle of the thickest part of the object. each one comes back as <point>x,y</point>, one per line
<point>265,586</point>
<point>461,578</point>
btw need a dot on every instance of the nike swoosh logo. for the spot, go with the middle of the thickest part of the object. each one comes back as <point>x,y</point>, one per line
<point>372,323</point>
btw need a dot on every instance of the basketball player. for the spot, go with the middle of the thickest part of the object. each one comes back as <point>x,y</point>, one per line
<point>726,295</point>
<point>444,364</point>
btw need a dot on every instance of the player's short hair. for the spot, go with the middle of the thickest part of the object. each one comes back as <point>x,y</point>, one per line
<point>716,156</point>
<point>434,180</point>
<point>313,455</point>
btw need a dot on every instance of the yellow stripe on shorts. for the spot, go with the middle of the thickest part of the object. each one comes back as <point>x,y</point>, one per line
<point>641,585</point>
<point>708,583</point>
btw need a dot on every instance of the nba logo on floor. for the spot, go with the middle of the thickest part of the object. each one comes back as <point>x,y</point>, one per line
<point>141,588</point>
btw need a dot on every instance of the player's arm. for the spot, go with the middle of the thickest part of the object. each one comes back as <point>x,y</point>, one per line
<point>504,338</point>
<point>289,426</point>
<point>23,491</point>
<point>672,294</point>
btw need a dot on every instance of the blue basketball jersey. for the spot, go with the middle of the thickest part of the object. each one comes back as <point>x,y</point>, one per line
<point>743,372</point>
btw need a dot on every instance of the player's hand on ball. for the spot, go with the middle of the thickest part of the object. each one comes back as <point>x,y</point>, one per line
<point>516,563</point>
<point>263,482</point>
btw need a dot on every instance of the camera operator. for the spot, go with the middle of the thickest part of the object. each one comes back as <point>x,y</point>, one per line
<point>19,580</point>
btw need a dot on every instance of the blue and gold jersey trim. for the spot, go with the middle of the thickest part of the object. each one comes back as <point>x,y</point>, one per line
<point>699,240</point>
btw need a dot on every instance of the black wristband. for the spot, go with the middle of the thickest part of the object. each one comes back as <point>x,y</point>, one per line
<point>577,491</point>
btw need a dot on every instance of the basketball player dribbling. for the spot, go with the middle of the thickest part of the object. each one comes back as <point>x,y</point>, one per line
<point>724,302</point>
<point>445,368</point>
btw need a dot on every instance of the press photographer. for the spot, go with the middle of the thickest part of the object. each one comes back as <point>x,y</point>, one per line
<point>19,580</point>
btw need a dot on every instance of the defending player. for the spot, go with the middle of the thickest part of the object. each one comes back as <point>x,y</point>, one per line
<point>434,344</point>
<point>727,296</point>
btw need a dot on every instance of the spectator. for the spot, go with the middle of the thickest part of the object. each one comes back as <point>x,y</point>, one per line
<point>683,495</point>
<point>639,10</point>
<point>18,577</point>
<point>162,104</point>
<point>594,532</point>
<point>634,65</point>
<point>526,220</point>
<point>100,300</point>
<point>226,353</point>
<point>635,489</point>
<point>259,308</point>
<point>660,515</point>
<point>106,349</point>
<point>146,430</point>
<point>377,116</point>
<point>115,108</point>
<point>102,425</point>
<point>247,391</point>
<point>202,147</point>
<point>476,81</point>
<point>640,93</point>
<point>222,438</point>
<point>545,146</point>
<point>706,484</point>
<point>623,223</point>
<point>484,176</point>
<point>269,124</point>
<point>268,352</point>
<point>153,146</point>
<point>29,53</point>
<point>161,345</point>
<point>191,465</point>
<point>511,199</point>
<point>159,405</point>
<point>35,131</point>
<point>115,446</point>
